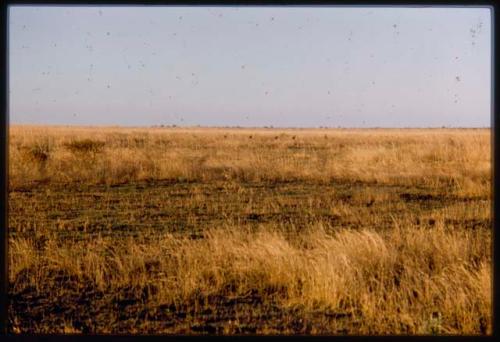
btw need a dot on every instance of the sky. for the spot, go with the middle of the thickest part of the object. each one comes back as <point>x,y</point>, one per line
<point>250,66</point>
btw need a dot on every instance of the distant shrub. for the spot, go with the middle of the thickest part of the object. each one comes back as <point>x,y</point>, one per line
<point>85,146</point>
<point>36,156</point>
<point>37,153</point>
<point>139,142</point>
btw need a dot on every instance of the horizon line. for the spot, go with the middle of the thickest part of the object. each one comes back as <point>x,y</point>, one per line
<point>245,127</point>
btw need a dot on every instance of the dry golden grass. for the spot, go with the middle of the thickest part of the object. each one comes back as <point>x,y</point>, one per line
<point>457,158</point>
<point>250,231</point>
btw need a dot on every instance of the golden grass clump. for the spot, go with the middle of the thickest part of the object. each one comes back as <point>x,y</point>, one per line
<point>391,283</point>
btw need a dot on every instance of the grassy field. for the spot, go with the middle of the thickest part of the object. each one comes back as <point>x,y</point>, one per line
<point>250,231</point>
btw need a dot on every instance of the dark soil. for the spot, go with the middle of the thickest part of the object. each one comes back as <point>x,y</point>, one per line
<point>81,306</point>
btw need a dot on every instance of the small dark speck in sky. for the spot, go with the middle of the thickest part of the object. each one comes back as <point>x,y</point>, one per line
<point>457,78</point>
<point>180,18</point>
<point>266,92</point>
<point>109,86</point>
<point>107,33</point>
<point>74,114</point>
<point>394,25</point>
<point>24,27</point>
<point>272,18</point>
<point>243,66</point>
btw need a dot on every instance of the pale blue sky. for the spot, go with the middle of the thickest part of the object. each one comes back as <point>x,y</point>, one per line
<point>250,66</point>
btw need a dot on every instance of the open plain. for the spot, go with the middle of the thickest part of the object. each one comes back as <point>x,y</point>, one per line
<point>249,231</point>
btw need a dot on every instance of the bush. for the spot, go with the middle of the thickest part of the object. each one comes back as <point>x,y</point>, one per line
<point>37,153</point>
<point>85,146</point>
